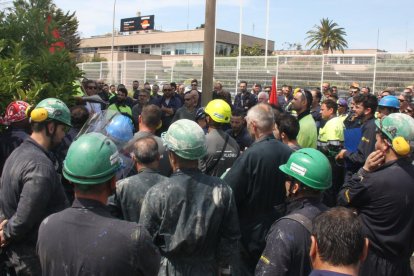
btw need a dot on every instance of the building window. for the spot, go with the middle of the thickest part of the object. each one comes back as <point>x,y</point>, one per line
<point>88,50</point>
<point>180,49</point>
<point>145,49</point>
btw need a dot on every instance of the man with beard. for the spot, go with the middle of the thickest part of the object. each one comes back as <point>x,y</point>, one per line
<point>187,111</point>
<point>382,192</point>
<point>238,129</point>
<point>169,103</point>
<point>219,93</point>
<point>135,90</point>
<point>364,108</point>
<point>288,242</point>
<point>244,99</point>
<point>301,103</point>
<point>121,105</point>
<point>30,188</point>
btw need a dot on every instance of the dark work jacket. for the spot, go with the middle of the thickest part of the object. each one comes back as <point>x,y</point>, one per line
<point>30,191</point>
<point>86,240</point>
<point>245,100</point>
<point>258,187</point>
<point>288,242</point>
<point>9,141</point>
<point>130,193</point>
<point>243,138</point>
<point>174,103</point>
<point>365,147</point>
<point>384,200</point>
<point>192,218</point>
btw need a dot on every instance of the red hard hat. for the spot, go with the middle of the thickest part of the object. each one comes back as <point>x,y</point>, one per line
<point>15,112</point>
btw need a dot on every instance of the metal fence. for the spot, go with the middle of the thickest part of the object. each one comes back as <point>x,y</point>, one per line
<point>378,71</point>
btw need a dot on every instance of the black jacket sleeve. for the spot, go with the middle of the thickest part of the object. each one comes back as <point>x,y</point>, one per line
<point>32,206</point>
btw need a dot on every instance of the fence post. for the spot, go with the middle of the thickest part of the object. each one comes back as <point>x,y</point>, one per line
<point>237,72</point>
<point>172,72</point>
<point>323,70</point>
<point>375,74</point>
<point>277,69</point>
<point>100,70</point>
<point>145,71</point>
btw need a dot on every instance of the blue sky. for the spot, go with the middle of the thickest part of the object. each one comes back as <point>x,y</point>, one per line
<point>289,20</point>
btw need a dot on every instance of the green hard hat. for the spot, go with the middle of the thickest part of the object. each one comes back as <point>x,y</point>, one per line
<point>310,167</point>
<point>397,124</point>
<point>56,110</point>
<point>91,159</point>
<point>186,139</point>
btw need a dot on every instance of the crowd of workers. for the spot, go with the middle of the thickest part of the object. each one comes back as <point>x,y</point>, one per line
<point>148,182</point>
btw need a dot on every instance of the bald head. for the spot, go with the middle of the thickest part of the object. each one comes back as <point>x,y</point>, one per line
<point>146,150</point>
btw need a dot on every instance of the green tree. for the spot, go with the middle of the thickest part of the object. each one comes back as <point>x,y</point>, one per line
<point>28,69</point>
<point>327,36</point>
<point>255,50</point>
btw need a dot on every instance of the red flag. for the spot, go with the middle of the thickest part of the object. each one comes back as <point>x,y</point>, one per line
<point>273,93</point>
<point>58,45</point>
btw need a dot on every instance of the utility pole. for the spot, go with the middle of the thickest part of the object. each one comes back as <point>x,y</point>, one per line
<point>208,58</point>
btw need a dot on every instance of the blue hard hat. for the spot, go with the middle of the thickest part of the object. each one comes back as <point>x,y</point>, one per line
<point>200,114</point>
<point>390,101</point>
<point>120,129</point>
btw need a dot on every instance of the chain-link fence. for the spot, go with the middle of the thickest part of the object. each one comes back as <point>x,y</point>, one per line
<point>378,71</point>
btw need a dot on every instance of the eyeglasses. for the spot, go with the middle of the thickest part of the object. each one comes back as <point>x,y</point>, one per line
<point>91,87</point>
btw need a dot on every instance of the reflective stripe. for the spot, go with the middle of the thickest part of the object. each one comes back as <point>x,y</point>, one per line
<point>264,259</point>
<point>347,196</point>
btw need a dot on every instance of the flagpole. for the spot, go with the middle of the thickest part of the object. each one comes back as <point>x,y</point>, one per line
<point>267,30</point>
<point>240,44</point>
<point>112,45</point>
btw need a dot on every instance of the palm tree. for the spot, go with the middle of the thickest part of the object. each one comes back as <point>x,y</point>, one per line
<point>327,36</point>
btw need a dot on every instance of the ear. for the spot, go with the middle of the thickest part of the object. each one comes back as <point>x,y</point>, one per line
<point>112,183</point>
<point>295,188</point>
<point>313,249</point>
<point>140,119</point>
<point>364,250</point>
<point>51,126</point>
<point>368,110</point>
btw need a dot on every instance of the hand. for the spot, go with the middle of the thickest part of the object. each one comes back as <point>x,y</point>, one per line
<point>340,155</point>
<point>374,161</point>
<point>3,223</point>
<point>3,242</point>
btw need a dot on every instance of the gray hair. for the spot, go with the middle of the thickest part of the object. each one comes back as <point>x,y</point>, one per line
<point>262,115</point>
<point>263,93</point>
